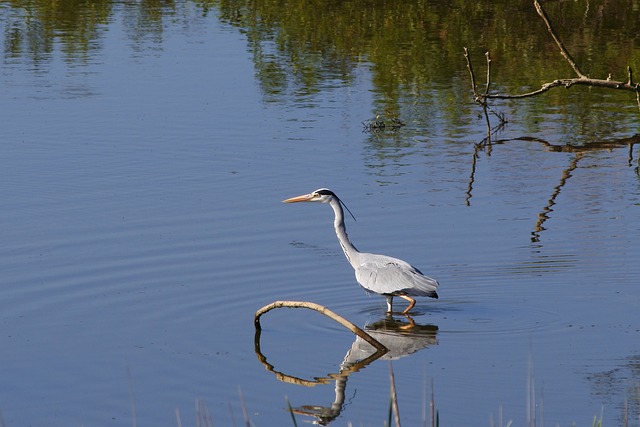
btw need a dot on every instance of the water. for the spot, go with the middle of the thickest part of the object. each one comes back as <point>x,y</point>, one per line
<point>142,227</point>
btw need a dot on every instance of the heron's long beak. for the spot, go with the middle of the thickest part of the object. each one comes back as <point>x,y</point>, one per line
<point>303,198</point>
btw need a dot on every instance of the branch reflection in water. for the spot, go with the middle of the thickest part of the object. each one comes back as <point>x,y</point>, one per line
<point>401,338</point>
<point>578,150</point>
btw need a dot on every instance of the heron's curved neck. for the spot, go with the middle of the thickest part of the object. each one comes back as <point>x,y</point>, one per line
<point>350,251</point>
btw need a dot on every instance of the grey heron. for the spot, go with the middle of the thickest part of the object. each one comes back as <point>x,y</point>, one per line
<point>379,274</point>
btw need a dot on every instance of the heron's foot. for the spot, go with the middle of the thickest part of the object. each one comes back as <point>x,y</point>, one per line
<point>412,303</point>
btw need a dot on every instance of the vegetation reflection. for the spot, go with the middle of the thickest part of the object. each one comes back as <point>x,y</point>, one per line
<point>301,47</point>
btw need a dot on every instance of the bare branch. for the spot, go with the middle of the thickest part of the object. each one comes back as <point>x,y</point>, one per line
<point>585,81</point>
<point>486,91</point>
<point>323,310</point>
<point>582,79</point>
<point>482,98</point>
<point>470,67</point>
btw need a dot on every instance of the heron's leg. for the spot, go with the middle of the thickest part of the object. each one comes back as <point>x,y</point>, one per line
<point>389,303</point>
<point>412,302</point>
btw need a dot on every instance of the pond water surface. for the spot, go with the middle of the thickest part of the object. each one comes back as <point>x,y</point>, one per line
<point>142,227</point>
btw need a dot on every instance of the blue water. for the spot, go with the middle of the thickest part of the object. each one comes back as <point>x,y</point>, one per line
<point>142,227</point>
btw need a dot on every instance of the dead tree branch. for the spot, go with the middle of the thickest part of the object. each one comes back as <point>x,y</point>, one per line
<point>581,79</point>
<point>567,83</point>
<point>323,310</point>
<point>486,90</point>
<point>482,98</point>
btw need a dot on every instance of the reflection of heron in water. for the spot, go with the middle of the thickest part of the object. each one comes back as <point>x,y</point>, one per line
<point>401,338</point>
<point>379,274</point>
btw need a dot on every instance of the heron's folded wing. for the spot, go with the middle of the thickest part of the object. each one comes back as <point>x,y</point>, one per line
<point>395,277</point>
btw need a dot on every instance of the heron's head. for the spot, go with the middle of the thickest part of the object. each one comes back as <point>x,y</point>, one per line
<point>321,195</point>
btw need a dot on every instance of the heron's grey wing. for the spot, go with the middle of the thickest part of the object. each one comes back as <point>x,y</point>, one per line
<point>393,276</point>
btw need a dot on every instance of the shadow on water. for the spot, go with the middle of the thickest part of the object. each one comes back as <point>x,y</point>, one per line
<point>401,338</point>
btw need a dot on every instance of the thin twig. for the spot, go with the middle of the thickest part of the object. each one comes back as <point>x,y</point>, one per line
<point>470,67</point>
<point>292,412</point>
<point>394,396</point>
<point>486,91</point>
<point>245,412</point>
<point>480,99</point>
<point>432,404</point>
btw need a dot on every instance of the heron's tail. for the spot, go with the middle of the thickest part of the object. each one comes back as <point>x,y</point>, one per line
<point>425,287</point>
